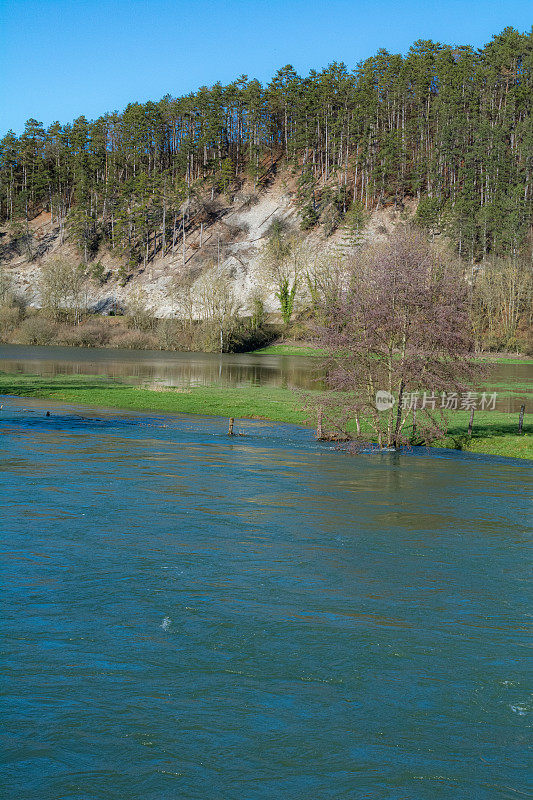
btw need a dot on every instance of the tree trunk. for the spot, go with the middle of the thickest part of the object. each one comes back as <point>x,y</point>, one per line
<point>398,415</point>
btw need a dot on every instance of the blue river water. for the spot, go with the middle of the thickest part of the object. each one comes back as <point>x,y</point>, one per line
<point>187,615</point>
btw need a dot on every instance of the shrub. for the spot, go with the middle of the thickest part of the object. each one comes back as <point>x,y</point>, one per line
<point>140,315</point>
<point>37,330</point>
<point>331,220</point>
<point>243,337</point>
<point>10,317</point>
<point>133,340</point>
<point>174,334</point>
<point>89,334</point>
<point>428,213</point>
<point>258,315</point>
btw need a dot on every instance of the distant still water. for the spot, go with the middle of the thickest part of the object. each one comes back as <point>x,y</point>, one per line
<point>205,369</point>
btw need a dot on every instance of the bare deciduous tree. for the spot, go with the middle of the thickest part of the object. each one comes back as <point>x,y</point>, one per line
<point>63,288</point>
<point>216,304</point>
<point>140,313</point>
<point>502,294</point>
<point>326,274</point>
<point>400,326</point>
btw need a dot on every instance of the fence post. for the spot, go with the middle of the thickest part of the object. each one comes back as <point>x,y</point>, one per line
<point>471,423</point>
<point>521,418</point>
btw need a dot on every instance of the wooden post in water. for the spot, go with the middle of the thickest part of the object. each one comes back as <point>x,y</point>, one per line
<point>471,423</point>
<point>521,418</point>
<point>319,423</point>
<point>230,428</point>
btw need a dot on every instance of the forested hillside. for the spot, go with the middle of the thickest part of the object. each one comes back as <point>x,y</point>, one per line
<point>449,126</point>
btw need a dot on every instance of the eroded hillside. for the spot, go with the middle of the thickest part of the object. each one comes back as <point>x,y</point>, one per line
<point>223,240</point>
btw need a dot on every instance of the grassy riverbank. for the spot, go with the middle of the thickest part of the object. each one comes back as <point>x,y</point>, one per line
<point>255,402</point>
<point>494,433</point>
<point>309,350</point>
<point>288,350</point>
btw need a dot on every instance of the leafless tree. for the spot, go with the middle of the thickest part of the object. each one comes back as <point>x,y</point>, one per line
<point>139,311</point>
<point>63,288</point>
<point>502,294</point>
<point>401,325</point>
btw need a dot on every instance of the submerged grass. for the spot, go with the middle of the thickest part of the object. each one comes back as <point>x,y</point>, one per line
<point>495,433</point>
<point>254,402</point>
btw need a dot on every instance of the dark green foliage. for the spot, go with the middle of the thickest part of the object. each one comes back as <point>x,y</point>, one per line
<point>226,174</point>
<point>245,337</point>
<point>451,126</point>
<point>333,204</point>
<point>309,217</point>
<point>123,274</point>
<point>99,273</point>
<point>428,213</point>
<point>353,224</point>
<point>306,188</point>
<point>276,233</point>
<point>286,298</point>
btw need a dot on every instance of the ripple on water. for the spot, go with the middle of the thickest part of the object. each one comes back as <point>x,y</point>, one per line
<point>188,616</point>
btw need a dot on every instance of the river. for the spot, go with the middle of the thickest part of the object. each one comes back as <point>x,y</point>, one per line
<point>197,617</point>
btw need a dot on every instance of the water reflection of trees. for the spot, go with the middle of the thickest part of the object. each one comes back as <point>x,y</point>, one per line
<point>179,370</point>
<point>205,369</point>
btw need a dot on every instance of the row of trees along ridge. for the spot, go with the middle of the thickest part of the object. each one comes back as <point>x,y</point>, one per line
<point>450,126</point>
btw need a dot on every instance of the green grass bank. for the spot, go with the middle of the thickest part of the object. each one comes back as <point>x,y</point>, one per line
<point>494,433</point>
<point>309,350</point>
<point>289,350</point>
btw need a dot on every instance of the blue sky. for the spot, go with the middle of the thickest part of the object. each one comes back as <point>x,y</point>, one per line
<point>63,58</point>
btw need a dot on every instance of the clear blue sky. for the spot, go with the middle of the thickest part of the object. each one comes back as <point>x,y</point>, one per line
<point>63,58</point>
